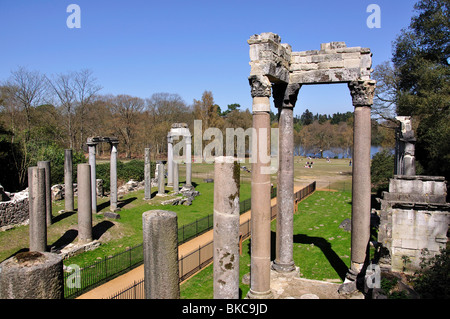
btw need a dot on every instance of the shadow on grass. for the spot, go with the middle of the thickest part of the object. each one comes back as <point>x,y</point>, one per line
<point>335,261</point>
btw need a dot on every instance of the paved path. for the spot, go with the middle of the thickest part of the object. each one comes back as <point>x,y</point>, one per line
<point>137,274</point>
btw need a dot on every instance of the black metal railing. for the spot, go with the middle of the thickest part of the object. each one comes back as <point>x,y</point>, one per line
<point>80,280</point>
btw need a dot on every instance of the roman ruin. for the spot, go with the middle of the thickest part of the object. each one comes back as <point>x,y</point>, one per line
<point>92,143</point>
<point>276,68</point>
<point>173,151</point>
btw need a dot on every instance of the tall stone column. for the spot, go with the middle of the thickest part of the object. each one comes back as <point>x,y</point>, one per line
<point>260,230</point>
<point>37,209</point>
<point>169,160</point>
<point>113,178</point>
<point>48,190</point>
<point>284,260</point>
<point>226,228</point>
<point>160,167</point>
<point>188,161</point>
<point>161,273</point>
<point>84,203</point>
<point>147,175</point>
<point>362,93</point>
<point>91,146</point>
<point>68,181</point>
<point>175,176</point>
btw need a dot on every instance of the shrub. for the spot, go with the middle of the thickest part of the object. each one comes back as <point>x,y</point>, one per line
<point>381,170</point>
<point>433,280</point>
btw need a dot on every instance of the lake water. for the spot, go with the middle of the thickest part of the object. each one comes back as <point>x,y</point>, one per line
<point>339,152</point>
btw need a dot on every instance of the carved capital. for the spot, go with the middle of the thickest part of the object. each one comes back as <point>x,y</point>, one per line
<point>260,86</point>
<point>362,92</point>
<point>285,95</point>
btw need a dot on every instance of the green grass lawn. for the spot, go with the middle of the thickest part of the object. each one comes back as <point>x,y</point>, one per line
<point>321,248</point>
<point>115,235</point>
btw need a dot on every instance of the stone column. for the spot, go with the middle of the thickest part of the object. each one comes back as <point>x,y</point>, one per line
<point>188,161</point>
<point>169,160</point>
<point>161,190</point>
<point>161,274</point>
<point>175,176</point>
<point>226,228</point>
<point>84,203</point>
<point>147,175</point>
<point>362,93</point>
<point>284,261</point>
<point>260,244</point>
<point>37,209</point>
<point>32,275</point>
<point>91,146</point>
<point>48,190</point>
<point>113,178</point>
<point>68,181</point>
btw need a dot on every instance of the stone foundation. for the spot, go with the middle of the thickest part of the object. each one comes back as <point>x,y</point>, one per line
<point>414,218</point>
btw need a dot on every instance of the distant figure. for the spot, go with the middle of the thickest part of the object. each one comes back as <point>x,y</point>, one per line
<point>350,163</point>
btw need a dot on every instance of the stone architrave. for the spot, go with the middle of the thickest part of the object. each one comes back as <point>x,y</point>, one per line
<point>68,181</point>
<point>161,273</point>
<point>226,228</point>
<point>169,160</point>
<point>285,101</point>
<point>260,193</point>
<point>175,176</point>
<point>147,175</point>
<point>32,275</point>
<point>113,178</point>
<point>37,209</point>
<point>362,93</point>
<point>84,203</point>
<point>48,190</point>
<point>92,146</point>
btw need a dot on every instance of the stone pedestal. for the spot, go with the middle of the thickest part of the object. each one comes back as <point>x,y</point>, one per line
<point>226,228</point>
<point>161,273</point>
<point>68,181</point>
<point>48,190</point>
<point>37,209</point>
<point>32,275</point>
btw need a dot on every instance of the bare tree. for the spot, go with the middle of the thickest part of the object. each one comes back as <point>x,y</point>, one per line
<point>63,87</point>
<point>29,90</point>
<point>384,106</point>
<point>86,87</point>
<point>125,110</point>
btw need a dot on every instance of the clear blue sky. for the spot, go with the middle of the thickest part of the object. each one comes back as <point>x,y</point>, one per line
<point>140,47</point>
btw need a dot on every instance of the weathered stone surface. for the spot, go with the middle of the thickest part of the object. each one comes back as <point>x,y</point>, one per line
<point>14,211</point>
<point>160,232</point>
<point>32,275</point>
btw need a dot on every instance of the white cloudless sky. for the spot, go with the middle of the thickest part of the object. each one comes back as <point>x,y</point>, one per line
<point>140,47</point>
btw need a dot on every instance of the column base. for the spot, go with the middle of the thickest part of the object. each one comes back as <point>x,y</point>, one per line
<point>114,209</point>
<point>259,295</point>
<point>284,268</point>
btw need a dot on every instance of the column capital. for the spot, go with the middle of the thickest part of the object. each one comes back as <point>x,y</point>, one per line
<point>169,138</point>
<point>260,86</point>
<point>285,95</point>
<point>362,92</point>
